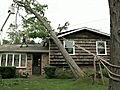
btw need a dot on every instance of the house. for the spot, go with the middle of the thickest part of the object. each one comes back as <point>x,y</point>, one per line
<point>32,58</point>
<point>93,40</point>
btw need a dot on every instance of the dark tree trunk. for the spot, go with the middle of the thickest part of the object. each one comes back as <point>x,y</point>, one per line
<point>114,6</point>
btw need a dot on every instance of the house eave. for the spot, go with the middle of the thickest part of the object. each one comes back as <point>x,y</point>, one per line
<point>17,49</point>
<point>80,29</point>
<point>26,51</point>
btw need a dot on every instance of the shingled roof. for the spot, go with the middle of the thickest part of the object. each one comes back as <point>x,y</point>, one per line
<point>80,29</point>
<point>30,48</point>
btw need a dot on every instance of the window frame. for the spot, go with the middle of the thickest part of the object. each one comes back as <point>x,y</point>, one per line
<point>13,59</point>
<point>98,48</point>
<point>72,47</point>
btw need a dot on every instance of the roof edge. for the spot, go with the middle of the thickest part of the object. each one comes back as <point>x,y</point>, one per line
<point>80,29</point>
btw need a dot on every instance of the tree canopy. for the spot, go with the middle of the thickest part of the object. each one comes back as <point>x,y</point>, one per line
<point>32,27</point>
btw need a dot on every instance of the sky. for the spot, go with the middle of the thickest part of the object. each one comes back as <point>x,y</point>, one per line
<point>79,13</point>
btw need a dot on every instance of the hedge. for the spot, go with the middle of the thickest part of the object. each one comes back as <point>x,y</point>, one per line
<point>50,71</point>
<point>7,72</point>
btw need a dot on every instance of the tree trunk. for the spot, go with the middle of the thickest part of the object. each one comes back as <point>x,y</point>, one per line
<point>73,66</point>
<point>114,6</point>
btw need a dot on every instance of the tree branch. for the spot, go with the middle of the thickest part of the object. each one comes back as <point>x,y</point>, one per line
<point>38,16</point>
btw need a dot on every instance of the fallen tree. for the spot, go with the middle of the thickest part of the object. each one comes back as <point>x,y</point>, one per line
<point>29,6</point>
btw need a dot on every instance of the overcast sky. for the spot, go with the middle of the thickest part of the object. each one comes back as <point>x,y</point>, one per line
<point>80,13</point>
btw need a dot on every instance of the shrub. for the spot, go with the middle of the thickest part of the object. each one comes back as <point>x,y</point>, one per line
<point>88,71</point>
<point>64,74</point>
<point>17,75</point>
<point>105,73</point>
<point>0,79</point>
<point>7,72</point>
<point>50,71</point>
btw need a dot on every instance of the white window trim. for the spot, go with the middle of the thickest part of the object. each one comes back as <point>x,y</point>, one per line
<point>19,61</point>
<point>97,47</point>
<point>73,46</point>
<point>6,60</point>
<point>13,59</point>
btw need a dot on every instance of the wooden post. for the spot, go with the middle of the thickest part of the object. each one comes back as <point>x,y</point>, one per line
<point>94,64</point>
<point>101,74</point>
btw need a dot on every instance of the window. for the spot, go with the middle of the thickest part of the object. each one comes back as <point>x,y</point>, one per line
<point>69,46</point>
<point>3,59</point>
<point>16,60</point>
<point>13,59</point>
<point>101,48</point>
<point>9,60</point>
<point>23,60</point>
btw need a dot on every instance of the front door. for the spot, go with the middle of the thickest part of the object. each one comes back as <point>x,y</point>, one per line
<point>36,64</point>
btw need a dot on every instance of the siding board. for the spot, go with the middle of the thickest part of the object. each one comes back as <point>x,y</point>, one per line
<point>84,39</point>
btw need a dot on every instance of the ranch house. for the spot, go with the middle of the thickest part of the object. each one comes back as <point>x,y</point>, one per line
<point>34,57</point>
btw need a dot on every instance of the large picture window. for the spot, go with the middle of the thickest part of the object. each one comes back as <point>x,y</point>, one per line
<point>69,46</point>
<point>101,48</point>
<point>13,59</point>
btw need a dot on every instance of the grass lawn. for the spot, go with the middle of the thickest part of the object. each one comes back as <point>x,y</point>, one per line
<point>38,83</point>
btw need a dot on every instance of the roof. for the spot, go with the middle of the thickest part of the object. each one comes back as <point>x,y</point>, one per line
<point>30,48</point>
<point>80,29</point>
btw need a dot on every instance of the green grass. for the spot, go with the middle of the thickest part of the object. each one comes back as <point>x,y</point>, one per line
<point>52,84</point>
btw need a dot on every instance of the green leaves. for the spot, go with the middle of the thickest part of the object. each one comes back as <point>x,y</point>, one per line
<point>30,23</point>
<point>34,28</point>
<point>14,34</point>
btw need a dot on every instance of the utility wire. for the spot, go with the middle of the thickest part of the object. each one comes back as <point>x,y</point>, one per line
<point>89,22</point>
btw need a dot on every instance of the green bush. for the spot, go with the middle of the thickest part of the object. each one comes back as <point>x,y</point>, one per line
<point>105,73</point>
<point>64,74</point>
<point>50,71</point>
<point>0,79</point>
<point>88,71</point>
<point>7,72</point>
<point>17,75</point>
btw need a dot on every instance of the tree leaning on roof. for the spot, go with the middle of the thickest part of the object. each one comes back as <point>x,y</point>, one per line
<point>33,7</point>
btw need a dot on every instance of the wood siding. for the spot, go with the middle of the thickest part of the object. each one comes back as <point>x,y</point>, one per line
<point>86,39</point>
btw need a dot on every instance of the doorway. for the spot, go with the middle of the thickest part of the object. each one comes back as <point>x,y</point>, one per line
<point>36,64</point>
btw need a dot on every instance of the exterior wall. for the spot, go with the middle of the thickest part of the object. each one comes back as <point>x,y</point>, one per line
<point>44,62</point>
<point>29,52</point>
<point>29,63</point>
<point>86,39</point>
